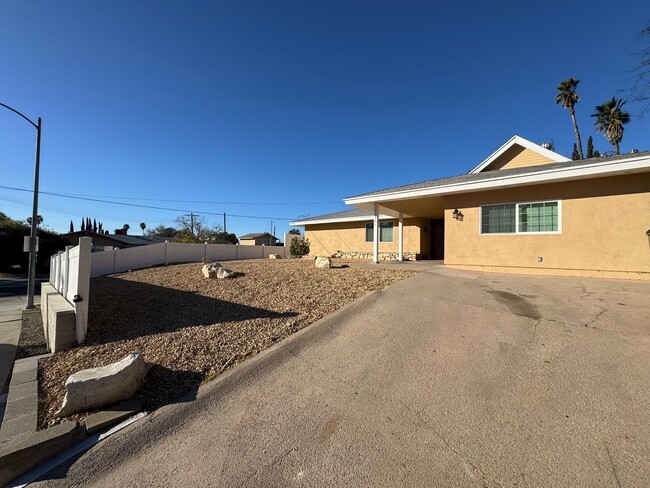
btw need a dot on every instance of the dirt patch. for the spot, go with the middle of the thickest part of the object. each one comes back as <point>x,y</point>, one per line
<point>32,339</point>
<point>191,328</point>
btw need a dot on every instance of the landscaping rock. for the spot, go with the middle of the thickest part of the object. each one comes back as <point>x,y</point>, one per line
<point>95,387</point>
<point>223,273</point>
<point>210,270</point>
<point>323,262</point>
<point>275,256</point>
<point>207,261</point>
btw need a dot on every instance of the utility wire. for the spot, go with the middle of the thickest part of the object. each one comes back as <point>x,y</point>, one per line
<point>62,195</point>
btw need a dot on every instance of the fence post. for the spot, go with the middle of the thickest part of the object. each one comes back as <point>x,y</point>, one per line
<point>114,260</point>
<point>59,274</point>
<point>237,251</point>
<point>66,281</point>
<point>262,251</point>
<point>205,250</point>
<point>82,297</point>
<point>166,258</point>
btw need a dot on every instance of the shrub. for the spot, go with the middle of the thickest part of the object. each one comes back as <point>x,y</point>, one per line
<point>299,247</point>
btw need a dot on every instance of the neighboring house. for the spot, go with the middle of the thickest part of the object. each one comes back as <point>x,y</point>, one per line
<point>101,241</point>
<point>525,209</point>
<point>263,238</point>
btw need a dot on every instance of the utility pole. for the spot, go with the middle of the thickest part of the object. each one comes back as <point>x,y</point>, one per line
<point>192,221</point>
<point>224,223</point>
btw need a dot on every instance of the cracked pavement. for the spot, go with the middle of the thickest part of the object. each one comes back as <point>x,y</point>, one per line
<point>447,378</point>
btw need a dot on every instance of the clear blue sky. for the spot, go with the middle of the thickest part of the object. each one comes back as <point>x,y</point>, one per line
<point>282,108</point>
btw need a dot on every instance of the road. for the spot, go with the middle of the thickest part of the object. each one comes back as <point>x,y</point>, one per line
<point>444,379</point>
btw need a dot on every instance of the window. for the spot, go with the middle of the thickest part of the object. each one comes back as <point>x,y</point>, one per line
<point>385,232</point>
<point>521,218</point>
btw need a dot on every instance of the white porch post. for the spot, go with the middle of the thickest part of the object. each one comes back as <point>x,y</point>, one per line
<point>400,245</point>
<point>375,235</point>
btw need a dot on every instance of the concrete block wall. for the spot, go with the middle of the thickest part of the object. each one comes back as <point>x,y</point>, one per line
<point>59,319</point>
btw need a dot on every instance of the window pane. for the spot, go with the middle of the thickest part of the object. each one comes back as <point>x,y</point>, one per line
<point>369,232</point>
<point>538,217</point>
<point>498,219</point>
<point>386,232</point>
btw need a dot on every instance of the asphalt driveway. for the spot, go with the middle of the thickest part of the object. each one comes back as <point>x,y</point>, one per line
<point>444,379</point>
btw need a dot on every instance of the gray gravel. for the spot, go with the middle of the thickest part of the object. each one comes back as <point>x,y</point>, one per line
<point>32,340</point>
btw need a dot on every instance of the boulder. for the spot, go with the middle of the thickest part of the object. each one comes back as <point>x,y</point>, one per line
<point>323,262</point>
<point>96,387</point>
<point>210,270</point>
<point>275,256</point>
<point>225,273</point>
<point>207,261</point>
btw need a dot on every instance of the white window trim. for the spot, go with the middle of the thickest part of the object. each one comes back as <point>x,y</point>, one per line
<point>517,232</point>
<point>380,241</point>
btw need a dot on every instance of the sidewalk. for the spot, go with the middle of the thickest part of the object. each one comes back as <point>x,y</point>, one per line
<point>11,310</point>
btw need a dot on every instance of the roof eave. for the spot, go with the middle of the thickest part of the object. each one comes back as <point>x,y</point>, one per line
<point>595,170</point>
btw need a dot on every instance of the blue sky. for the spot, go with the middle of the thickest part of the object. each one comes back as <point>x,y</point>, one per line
<point>281,109</point>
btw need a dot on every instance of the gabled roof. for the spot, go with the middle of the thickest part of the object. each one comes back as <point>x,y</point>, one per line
<point>525,143</point>
<point>129,240</point>
<point>354,215</point>
<point>260,235</point>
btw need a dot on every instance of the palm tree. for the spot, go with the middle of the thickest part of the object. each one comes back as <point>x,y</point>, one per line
<point>143,226</point>
<point>567,97</point>
<point>126,228</point>
<point>611,118</point>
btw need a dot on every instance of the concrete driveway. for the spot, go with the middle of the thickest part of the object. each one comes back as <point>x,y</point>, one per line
<point>444,379</point>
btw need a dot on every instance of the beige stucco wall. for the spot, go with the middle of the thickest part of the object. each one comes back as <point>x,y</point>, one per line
<point>604,224</point>
<point>247,242</point>
<point>518,157</point>
<point>327,239</point>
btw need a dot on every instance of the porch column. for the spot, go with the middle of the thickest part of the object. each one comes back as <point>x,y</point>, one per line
<point>400,244</point>
<point>375,235</point>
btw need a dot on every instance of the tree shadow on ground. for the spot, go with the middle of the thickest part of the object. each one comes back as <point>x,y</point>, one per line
<point>121,309</point>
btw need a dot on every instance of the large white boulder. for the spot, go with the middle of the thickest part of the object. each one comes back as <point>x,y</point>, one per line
<point>225,273</point>
<point>95,387</point>
<point>323,262</point>
<point>275,256</point>
<point>210,270</point>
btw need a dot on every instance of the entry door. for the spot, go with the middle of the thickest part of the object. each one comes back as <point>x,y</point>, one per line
<point>438,239</point>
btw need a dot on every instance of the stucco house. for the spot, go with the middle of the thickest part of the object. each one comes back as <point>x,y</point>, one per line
<point>263,238</point>
<point>524,209</point>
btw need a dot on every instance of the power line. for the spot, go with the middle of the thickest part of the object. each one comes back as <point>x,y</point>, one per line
<point>152,207</point>
<point>192,201</point>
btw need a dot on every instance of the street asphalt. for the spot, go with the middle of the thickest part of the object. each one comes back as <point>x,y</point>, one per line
<point>445,379</point>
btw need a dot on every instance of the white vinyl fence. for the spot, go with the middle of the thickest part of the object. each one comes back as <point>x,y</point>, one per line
<point>70,276</point>
<point>120,260</point>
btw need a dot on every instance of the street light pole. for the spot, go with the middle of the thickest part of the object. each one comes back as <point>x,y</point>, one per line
<point>31,276</point>
<point>31,280</point>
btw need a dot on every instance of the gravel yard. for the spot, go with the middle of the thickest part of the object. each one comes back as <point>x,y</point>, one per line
<point>191,328</point>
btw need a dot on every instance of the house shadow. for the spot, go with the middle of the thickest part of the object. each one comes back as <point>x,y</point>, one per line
<point>122,309</point>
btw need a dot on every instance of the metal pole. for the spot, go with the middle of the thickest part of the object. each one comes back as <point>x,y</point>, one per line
<point>224,223</point>
<point>31,281</point>
<point>192,221</point>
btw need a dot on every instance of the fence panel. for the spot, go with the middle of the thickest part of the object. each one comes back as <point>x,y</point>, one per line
<point>178,252</point>
<point>221,252</point>
<point>139,257</point>
<point>274,250</point>
<point>102,263</point>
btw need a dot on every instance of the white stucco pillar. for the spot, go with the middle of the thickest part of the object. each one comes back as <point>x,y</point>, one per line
<point>375,235</point>
<point>400,242</point>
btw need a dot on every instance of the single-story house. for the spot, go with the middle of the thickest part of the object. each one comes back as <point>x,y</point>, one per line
<point>112,241</point>
<point>524,209</point>
<point>261,239</point>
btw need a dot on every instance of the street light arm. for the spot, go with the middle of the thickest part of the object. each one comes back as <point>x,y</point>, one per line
<point>17,112</point>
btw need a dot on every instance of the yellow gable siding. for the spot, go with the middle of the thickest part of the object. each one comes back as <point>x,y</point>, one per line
<point>518,157</point>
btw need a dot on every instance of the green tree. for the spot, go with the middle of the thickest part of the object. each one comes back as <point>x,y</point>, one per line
<point>641,85</point>
<point>567,97</point>
<point>295,232</point>
<point>143,226</point>
<point>610,119</point>
<point>71,227</point>
<point>162,231</point>
<point>590,147</point>
<point>299,247</point>
<point>574,155</point>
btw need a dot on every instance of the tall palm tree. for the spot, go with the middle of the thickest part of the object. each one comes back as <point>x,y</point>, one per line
<point>143,226</point>
<point>567,97</point>
<point>610,117</point>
